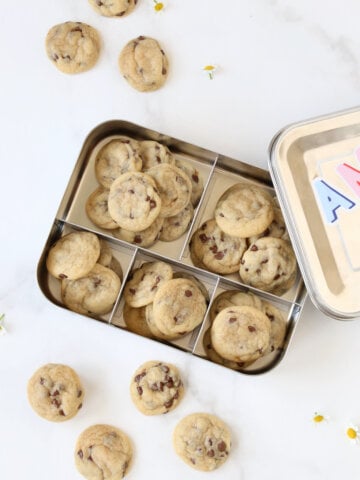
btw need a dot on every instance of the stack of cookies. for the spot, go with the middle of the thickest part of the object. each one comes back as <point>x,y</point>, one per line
<point>162,304</point>
<point>242,329</point>
<point>247,235</point>
<point>144,194</point>
<point>90,276</point>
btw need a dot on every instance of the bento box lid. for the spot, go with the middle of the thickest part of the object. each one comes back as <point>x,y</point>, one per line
<point>315,168</point>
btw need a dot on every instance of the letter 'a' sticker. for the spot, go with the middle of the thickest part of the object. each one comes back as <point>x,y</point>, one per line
<point>330,199</point>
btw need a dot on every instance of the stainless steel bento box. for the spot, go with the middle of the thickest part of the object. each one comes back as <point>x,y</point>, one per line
<point>315,166</point>
<point>218,173</point>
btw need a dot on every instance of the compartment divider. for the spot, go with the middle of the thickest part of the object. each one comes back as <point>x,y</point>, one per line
<point>198,208</point>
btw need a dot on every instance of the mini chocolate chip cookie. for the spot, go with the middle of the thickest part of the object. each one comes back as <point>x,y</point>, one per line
<point>217,251</point>
<point>269,264</point>
<point>174,227</point>
<point>143,64</point>
<point>156,388</point>
<point>203,441</point>
<point>174,188</point>
<point>230,298</point>
<point>93,294</point>
<point>240,333</point>
<point>178,307</point>
<point>153,153</point>
<point>145,281</point>
<point>145,238</point>
<point>277,328</point>
<point>73,255</point>
<point>55,392</point>
<point>119,156</point>
<point>195,178</point>
<point>244,210</point>
<point>73,47</point>
<point>134,202</point>
<point>135,320</point>
<point>113,8</point>
<point>103,452</point>
<point>97,209</point>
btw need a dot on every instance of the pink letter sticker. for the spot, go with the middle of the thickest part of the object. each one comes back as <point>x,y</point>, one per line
<point>330,199</point>
<point>351,176</point>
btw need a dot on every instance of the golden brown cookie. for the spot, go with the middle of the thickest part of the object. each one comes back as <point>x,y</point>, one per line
<point>113,8</point>
<point>55,392</point>
<point>103,452</point>
<point>143,64</point>
<point>244,210</point>
<point>73,255</point>
<point>240,333</point>
<point>156,388</point>
<point>73,47</point>
<point>203,441</point>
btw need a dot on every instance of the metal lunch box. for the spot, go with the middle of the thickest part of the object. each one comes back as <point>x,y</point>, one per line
<point>218,173</point>
<point>315,167</point>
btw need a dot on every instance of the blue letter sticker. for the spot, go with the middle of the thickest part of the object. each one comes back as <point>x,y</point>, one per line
<point>330,199</point>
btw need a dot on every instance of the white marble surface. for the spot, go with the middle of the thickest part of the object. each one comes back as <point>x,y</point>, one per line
<point>279,61</point>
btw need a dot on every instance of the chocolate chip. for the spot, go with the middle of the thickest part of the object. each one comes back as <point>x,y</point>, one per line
<point>232,319</point>
<point>138,239</point>
<point>120,14</point>
<point>140,390</point>
<point>61,412</point>
<point>55,57</point>
<point>170,382</point>
<point>192,460</point>
<point>76,29</point>
<point>56,402</point>
<point>90,458</point>
<point>162,51</point>
<point>62,275</point>
<point>277,276</point>
<point>221,446</point>
<point>163,71</point>
<point>204,226</point>
<point>79,393</point>
<point>132,291</point>
<point>203,238</point>
<point>42,381</point>
<point>154,387</point>
<point>169,403</point>
<point>165,368</point>
<point>270,317</point>
<point>219,255</point>
<point>56,392</point>
<point>152,204</point>
<point>80,453</point>
<point>254,248</point>
<point>188,293</point>
<point>210,453</point>
<point>214,249</point>
<point>251,328</point>
<point>141,37</point>
<point>80,406</point>
<point>131,190</point>
<point>139,376</point>
<point>242,262</point>
<point>221,215</point>
<point>265,261</point>
<point>195,178</point>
